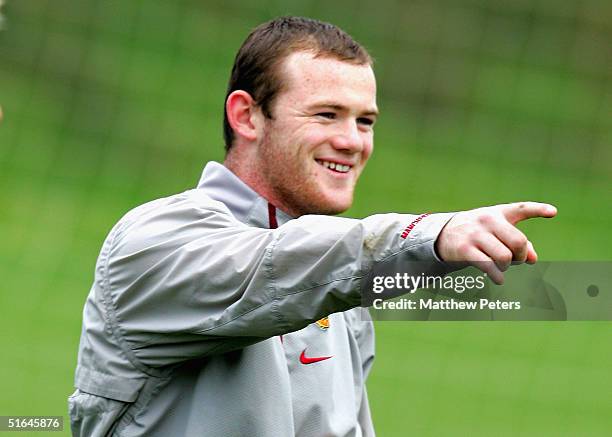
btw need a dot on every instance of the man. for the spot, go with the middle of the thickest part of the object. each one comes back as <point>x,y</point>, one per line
<point>232,309</point>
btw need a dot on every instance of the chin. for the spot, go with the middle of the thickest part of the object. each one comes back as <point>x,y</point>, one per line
<point>321,201</point>
<point>334,205</point>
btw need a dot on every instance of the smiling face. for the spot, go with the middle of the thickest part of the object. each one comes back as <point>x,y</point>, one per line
<point>320,136</point>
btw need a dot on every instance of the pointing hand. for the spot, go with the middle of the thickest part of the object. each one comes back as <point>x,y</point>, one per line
<point>488,239</point>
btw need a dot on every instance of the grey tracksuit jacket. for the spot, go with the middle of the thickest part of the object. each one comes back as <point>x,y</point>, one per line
<point>201,318</point>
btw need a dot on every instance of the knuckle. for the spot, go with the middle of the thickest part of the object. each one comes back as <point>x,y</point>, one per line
<point>486,219</point>
<point>464,248</point>
<point>474,234</point>
<point>519,242</point>
<point>506,255</point>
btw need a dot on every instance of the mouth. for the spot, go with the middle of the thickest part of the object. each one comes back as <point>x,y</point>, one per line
<point>335,166</point>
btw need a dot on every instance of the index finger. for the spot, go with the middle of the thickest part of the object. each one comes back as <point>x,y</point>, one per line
<point>515,212</point>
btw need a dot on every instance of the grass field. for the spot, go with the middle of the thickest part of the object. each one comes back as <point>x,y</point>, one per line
<point>110,105</point>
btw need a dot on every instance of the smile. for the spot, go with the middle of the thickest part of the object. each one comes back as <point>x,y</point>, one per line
<point>335,166</point>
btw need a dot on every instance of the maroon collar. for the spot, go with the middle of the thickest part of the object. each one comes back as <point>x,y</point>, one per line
<point>272,216</point>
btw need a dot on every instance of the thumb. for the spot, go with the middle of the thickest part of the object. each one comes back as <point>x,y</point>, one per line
<point>532,256</point>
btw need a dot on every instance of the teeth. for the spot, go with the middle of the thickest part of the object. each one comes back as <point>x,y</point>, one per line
<point>334,166</point>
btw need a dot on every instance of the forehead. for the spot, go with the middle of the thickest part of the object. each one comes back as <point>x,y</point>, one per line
<point>307,79</point>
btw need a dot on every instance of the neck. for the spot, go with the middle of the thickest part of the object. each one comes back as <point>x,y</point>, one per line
<point>247,169</point>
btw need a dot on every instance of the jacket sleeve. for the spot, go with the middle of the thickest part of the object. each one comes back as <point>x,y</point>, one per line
<point>180,281</point>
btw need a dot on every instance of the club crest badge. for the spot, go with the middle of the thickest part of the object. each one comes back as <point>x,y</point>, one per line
<point>323,323</point>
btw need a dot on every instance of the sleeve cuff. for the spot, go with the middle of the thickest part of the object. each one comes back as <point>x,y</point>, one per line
<point>424,234</point>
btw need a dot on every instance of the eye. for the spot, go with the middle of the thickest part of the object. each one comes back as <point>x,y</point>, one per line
<point>365,121</point>
<point>327,115</point>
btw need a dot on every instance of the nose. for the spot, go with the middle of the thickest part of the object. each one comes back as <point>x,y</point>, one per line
<point>349,138</point>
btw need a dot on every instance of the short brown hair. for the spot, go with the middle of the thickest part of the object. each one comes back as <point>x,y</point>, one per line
<point>256,65</point>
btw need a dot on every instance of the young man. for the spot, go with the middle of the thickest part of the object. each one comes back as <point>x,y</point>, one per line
<point>232,309</point>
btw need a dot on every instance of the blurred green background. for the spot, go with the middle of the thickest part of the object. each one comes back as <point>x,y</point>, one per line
<point>109,104</point>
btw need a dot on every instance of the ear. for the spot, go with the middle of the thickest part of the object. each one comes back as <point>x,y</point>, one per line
<point>243,115</point>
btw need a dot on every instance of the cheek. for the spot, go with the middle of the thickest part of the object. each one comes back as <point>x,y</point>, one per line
<point>311,135</point>
<point>315,138</point>
<point>367,150</point>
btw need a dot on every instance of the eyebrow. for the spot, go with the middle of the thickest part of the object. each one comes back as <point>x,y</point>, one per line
<point>337,107</point>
